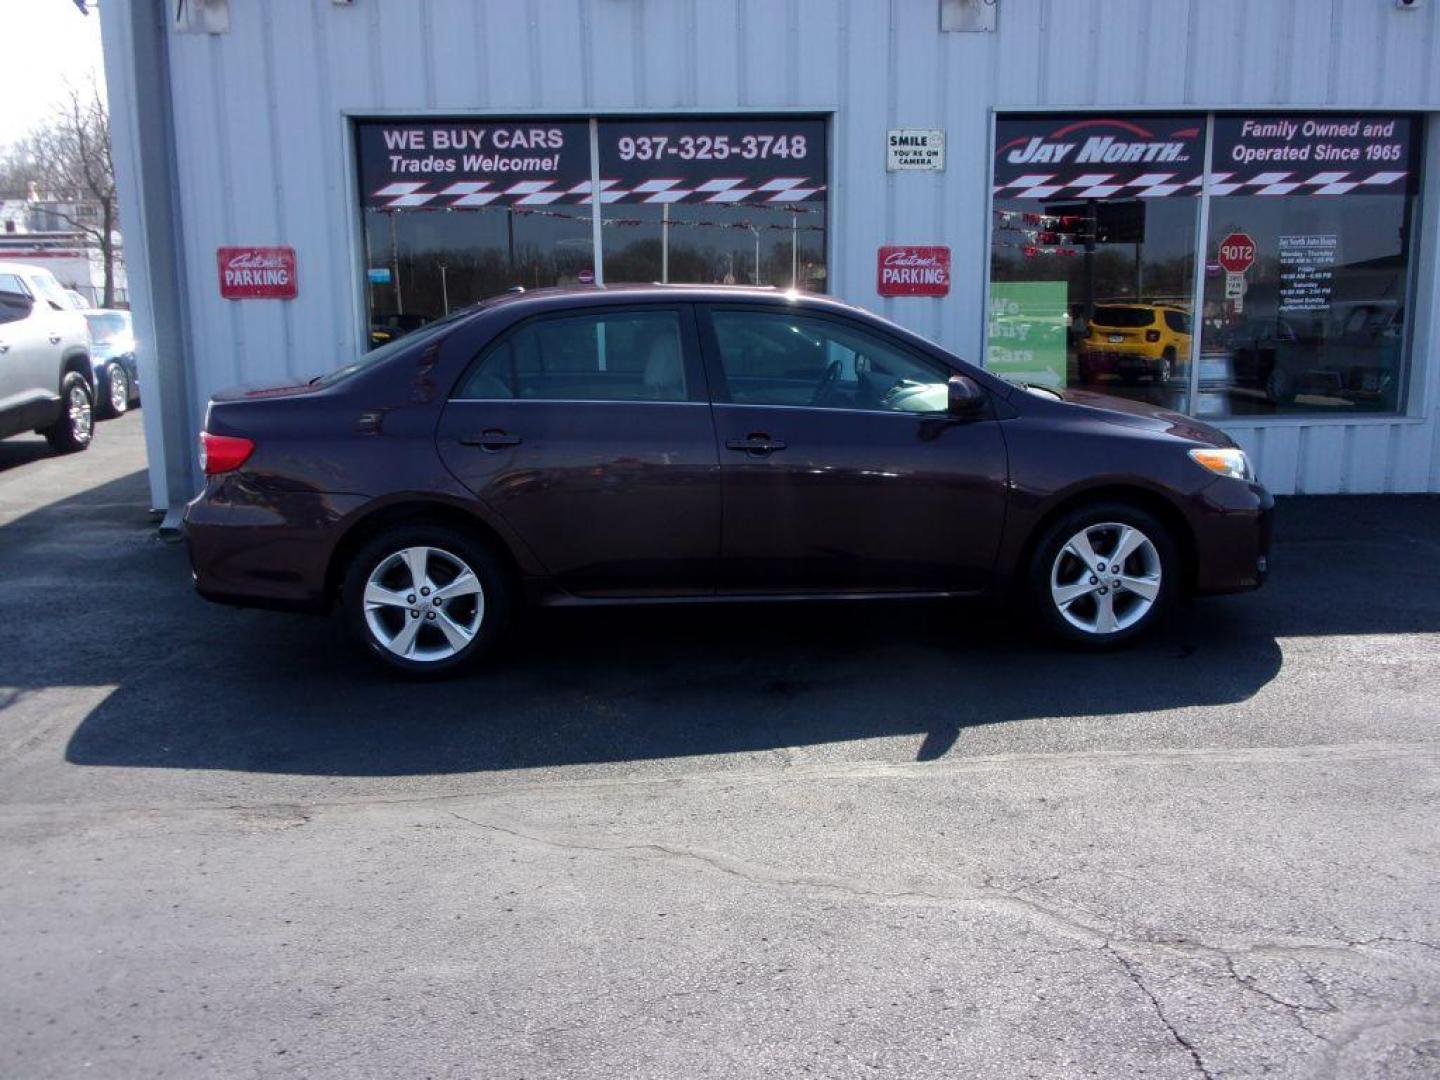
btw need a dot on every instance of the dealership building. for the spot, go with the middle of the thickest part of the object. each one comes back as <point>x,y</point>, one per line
<point>1229,208</point>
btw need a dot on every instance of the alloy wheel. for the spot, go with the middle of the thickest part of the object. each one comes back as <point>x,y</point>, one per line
<point>424,604</point>
<point>1106,578</point>
<point>119,389</point>
<point>82,420</point>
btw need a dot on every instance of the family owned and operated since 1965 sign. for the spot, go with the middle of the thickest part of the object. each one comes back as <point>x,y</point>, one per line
<point>257,273</point>
<point>1333,154</point>
<point>471,164</point>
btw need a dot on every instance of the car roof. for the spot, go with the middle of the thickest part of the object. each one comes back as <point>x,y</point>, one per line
<point>22,268</point>
<point>579,295</point>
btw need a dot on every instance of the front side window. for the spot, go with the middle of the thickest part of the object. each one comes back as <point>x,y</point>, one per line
<point>1307,264</point>
<point>622,356</point>
<point>771,358</point>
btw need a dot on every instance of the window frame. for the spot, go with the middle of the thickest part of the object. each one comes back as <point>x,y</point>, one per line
<point>720,386</point>
<point>696,389</point>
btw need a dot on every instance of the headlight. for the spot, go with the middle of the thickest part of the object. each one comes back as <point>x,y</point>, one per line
<point>1224,461</point>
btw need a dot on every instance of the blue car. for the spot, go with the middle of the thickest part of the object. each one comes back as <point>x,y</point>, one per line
<point>112,351</point>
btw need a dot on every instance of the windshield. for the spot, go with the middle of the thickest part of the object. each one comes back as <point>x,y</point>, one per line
<point>108,327</point>
<point>428,332</point>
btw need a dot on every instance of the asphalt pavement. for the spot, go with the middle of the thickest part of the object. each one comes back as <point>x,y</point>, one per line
<point>838,841</point>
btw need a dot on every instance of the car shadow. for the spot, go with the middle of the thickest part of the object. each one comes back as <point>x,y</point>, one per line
<point>22,451</point>
<point>197,686</point>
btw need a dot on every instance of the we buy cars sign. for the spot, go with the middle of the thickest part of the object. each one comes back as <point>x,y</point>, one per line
<point>1237,253</point>
<point>257,273</point>
<point>910,270</point>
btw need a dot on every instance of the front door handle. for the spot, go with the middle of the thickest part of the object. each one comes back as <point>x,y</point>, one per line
<point>756,444</point>
<point>492,440</point>
<point>4,346</point>
<point>54,339</point>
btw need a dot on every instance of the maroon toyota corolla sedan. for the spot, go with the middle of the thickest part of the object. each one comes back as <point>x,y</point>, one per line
<point>662,443</point>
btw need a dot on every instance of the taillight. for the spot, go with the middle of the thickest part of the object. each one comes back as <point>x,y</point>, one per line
<point>222,453</point>
<point>1152,336</point>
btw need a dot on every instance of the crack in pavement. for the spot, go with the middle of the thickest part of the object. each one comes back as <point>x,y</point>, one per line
<point>1175,1032</point>
<point>987,895</point>
<point>1296,1010</point>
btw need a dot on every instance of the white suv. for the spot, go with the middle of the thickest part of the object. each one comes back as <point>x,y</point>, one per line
<point>46,380</point>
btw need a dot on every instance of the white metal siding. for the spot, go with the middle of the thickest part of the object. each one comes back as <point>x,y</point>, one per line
<point>263,158</point>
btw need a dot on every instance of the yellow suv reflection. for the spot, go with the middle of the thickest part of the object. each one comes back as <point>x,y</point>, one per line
<point>1134,341</point>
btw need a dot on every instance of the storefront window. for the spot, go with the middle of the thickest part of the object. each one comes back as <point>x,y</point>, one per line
<point>735,202</point>
<point>1093,253</point>
<point>454,211</point>
<point>1307,259</point>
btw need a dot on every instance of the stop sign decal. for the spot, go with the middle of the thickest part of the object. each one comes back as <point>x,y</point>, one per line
<point>1237,253</point>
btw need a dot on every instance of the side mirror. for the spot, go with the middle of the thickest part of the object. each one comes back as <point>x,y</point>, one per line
<point>966,398</point>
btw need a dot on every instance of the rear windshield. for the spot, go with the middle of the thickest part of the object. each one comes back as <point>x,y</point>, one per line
<point>429,332</point>
<point>108,327</point>
<point>1123,316</point>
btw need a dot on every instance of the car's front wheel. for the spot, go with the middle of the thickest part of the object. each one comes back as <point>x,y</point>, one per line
<point>1103,574</point>
<point>75,426</point>
<point>426,600</point>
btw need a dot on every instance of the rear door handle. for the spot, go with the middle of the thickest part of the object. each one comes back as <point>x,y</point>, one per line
<point>756,444</point>
<point>4,346</point>
<point>492,440</point>
<point>54,339</point>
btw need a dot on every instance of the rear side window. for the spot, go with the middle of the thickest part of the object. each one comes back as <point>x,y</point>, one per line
<point>611,356</point>
<point>1178,321</point>
<point>1123,316</point>
<point>12,284</point>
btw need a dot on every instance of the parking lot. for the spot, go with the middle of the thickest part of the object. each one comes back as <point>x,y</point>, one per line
<point>896,840</point>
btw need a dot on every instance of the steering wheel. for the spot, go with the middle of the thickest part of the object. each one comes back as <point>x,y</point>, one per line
<point>827,382</point>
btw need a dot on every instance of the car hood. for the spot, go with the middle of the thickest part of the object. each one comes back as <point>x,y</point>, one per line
<point>1144,415</point>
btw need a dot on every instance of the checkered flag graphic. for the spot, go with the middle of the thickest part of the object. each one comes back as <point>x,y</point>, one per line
<point>409,195</point>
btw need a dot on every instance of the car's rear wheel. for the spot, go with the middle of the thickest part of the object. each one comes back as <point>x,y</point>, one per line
<point>114,391</point>
<point>75,426</point>
<point>426,600</point>
<point>1103,574</point>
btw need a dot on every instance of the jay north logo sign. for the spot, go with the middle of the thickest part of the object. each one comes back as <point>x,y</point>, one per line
<point>1098,157</point>
<point>1099,149</point>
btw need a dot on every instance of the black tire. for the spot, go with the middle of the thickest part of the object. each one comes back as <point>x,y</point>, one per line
<point>1044,608</point>
<point>496,593</point>
<point>109,404</point>
<point>74,429</point>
